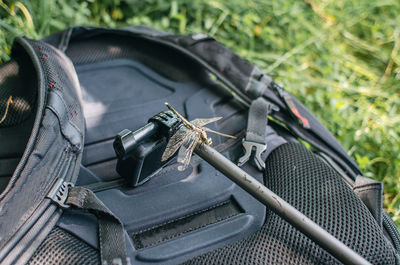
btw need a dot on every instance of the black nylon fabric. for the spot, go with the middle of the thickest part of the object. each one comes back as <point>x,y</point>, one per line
<point>54,146</point>
<point>304,181</point>
<point>234,68</point>
<point>63,82</point>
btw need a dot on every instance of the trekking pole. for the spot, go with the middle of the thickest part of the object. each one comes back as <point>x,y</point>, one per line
<point>279,206</point>
<point>164,122</point>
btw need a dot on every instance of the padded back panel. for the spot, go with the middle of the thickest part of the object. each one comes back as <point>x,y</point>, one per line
<point>306,182</point>
<point>125,81</point>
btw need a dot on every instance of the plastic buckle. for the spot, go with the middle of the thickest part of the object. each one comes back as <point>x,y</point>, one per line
<point>249,147</point>
<point>59,192</point>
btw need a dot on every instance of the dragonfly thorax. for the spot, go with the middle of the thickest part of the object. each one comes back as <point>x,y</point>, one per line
<point>204,138</point>
<point>187,137</point>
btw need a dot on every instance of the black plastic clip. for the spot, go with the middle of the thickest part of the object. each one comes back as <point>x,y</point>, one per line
<point>139,152</point>
<point>59,192</point>
<point>248,148</point>
<point>255,139</point>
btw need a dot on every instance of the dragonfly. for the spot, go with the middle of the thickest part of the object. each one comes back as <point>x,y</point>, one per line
<point>187,137</point>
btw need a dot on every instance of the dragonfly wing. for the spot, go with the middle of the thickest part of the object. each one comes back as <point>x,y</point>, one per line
<point>186,151</point>
<point>175,142</point>
<point>202,122</point>
<point>222,134</point>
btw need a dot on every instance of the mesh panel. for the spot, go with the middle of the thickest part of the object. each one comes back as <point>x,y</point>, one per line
<point>17,97</point>
<point>106,47</point>
<point>18,93</point>
<point>61,247</point>
<point>308,184</point>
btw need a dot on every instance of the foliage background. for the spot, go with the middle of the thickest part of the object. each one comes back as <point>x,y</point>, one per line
<point>339,57</point>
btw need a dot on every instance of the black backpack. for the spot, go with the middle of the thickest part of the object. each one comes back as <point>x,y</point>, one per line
<point>65,194</point>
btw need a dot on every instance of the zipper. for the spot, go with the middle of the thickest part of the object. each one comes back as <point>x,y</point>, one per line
<point>45,212</point>
<point>291,105</point>
<point>58,192</point>
<point>391,229</point>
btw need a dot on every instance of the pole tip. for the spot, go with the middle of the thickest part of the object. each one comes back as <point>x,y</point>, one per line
<point>168,106</point>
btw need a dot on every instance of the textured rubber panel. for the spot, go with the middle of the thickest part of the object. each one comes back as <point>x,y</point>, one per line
<point>307,183</point>
<point>122,86</point>
<point>61,247</point>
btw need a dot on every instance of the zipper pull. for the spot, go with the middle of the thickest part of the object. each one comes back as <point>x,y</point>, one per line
<point>59,192</point>
<point>288,99</point>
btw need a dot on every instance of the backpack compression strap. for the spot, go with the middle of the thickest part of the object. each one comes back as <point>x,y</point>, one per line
<point>111,230</point>
<point>256,132</point>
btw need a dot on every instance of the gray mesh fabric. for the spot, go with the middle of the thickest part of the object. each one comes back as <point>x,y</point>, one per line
<point>17,98</point>
<point>308,184</point>
<point>61,247</point>
<point>169,63</point>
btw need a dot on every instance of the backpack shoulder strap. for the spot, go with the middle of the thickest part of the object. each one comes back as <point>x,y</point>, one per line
<point>53,152</point>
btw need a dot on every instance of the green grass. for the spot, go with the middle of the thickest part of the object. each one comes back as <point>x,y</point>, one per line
<point>339,57</point>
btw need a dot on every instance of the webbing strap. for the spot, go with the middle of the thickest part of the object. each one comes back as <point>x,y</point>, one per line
<point>111,230</point>
<point>255,139</point>
<point>257,121</point>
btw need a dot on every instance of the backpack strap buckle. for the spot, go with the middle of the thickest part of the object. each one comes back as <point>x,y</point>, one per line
<point>59,192</point>
<point>249,147</point>
<point>255,139</point>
